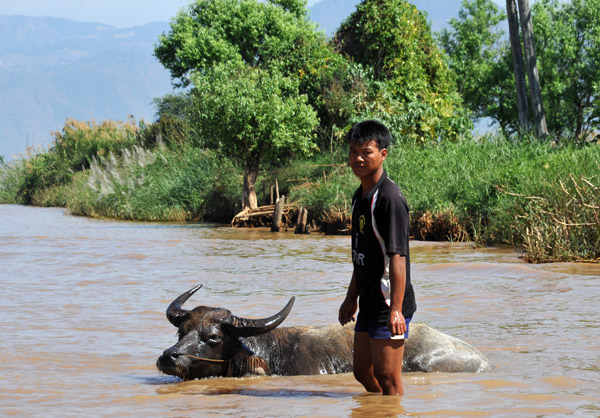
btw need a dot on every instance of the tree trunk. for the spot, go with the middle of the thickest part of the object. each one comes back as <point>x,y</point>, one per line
<point>249,199</point>
<point>579,121</point>
<point>517,56</point>
<point>532,70</point>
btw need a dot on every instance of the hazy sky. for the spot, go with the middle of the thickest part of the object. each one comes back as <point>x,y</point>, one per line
<point>120,13</point>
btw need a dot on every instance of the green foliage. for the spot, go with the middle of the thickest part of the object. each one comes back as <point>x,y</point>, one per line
<point>172,126</point>
<point>73,150</point>
<point>532,195</point>
<point>296,7</point>
<point>475,54</point>
<point>250,114</point>
<point>11,175</point>
<point>412,89</point>
<point>159,185</point>
<point>169,130</point>
<point>567,44</point>
<point>173,105</point>
<point>499,190</point>
<point>80,142</point>
<point>567,38</point>
<point>322,175</point>
<point>272,35</point>
<point>247,61</point>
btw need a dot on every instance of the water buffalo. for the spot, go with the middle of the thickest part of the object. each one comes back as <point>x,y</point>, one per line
<point>214,342</point>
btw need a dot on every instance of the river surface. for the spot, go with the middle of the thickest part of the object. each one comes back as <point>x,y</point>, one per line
<point>83,321</point>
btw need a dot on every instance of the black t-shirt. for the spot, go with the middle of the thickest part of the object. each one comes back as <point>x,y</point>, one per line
<point>380,227</point>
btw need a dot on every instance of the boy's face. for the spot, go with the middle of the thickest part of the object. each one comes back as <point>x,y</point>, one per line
<point>366,159</point>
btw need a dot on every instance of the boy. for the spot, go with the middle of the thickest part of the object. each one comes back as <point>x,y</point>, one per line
<point>380,256</point>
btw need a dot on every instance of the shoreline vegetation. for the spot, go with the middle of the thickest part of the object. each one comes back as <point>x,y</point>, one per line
<point>262,95</point>
<point>540,197</point>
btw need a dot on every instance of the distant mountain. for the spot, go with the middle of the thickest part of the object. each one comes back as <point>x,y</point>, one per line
<point>329,14</point>
<point>51,69</point>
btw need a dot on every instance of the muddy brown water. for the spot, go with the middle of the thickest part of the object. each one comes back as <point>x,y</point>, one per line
<point>83,322</point>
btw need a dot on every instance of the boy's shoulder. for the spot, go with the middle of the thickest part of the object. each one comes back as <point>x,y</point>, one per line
<point>390,191</point>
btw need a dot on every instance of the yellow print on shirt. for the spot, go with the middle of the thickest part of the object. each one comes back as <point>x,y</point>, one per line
<point>361,224</point>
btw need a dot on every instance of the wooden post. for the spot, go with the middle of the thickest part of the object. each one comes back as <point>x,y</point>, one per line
<point>271,201</point>
<point>301,223</point>
<point>305,221</point>
<point>277,214</point>
<point>276,190</point>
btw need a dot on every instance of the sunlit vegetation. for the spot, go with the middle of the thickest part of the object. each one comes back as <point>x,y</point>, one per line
<point>268,97</point>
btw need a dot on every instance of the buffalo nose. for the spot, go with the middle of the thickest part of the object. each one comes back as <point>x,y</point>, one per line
<point>172,353</point>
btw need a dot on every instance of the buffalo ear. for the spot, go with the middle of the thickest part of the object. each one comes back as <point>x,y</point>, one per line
<point>244,362</point>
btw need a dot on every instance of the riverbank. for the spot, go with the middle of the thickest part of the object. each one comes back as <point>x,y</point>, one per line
<point>538,197</point>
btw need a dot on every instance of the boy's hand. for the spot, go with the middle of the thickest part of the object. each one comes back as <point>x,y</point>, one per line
<point>396,323</point>
<point>347,311</point>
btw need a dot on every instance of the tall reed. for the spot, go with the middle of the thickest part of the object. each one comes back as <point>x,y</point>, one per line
<point>537,196</point>
<point>184,184</point>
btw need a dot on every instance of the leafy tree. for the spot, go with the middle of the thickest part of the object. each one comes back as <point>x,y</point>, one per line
<point>473,48</point>
<point>252,115</point>
<point>272,35</point>
<point>297,7</point>
<point>568,47</point>
<point>251,43</point>
<point>172,124</point>
<point>482,62</point>
<point>175,105</point>
<point>412,88</point>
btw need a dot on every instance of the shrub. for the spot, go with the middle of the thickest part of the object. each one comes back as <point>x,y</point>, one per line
<point>533,195</point>
<point>160,185</point>
<point>73,150</point>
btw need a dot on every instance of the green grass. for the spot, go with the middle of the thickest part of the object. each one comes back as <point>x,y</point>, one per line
<point>184,184</point>
<point>540,197</point>
<point>528,194</point>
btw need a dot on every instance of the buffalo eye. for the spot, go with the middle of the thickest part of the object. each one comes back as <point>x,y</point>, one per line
<point>212,339</point>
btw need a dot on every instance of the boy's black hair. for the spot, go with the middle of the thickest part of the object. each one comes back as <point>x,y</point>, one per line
<point>370,130</point>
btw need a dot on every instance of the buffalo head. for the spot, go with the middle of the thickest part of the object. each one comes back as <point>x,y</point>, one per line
<point>209,341</point>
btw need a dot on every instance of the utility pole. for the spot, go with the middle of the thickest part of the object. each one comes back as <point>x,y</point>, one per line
<point>517,57</point>
<point>532,71</point>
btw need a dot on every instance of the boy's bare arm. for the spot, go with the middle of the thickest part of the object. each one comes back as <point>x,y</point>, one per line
<point>396,323</point>
<point>349,305</point>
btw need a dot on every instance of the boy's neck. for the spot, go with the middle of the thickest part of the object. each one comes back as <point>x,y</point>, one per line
<point>368,182</point>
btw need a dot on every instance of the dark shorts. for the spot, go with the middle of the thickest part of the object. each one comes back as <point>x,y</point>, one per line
<point>379,332</point>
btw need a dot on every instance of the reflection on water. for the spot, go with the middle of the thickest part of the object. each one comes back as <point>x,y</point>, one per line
<point>83,305</point>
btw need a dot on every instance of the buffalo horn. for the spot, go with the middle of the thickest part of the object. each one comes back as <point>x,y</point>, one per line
<point>243,327</point>
<point>174,312</point>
